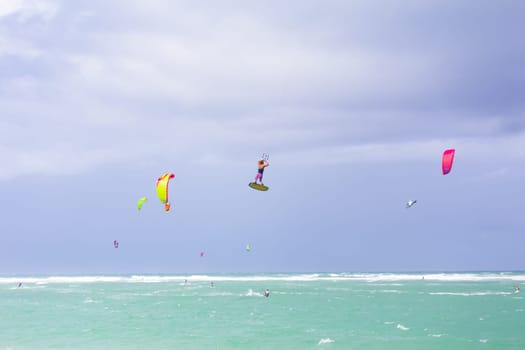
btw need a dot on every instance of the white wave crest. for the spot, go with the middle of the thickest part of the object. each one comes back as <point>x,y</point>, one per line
<point>468,294</point>
<point>251,293</point>
<point>364,277</point>
<point>325,341</point>
<point>401,327</point>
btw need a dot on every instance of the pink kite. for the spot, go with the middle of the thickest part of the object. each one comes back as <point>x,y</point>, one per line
<point>448,158</point>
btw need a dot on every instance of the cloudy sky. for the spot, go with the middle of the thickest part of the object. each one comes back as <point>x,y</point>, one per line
<point>354,101</point>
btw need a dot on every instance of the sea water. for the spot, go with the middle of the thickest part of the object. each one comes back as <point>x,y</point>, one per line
<point>303,311</point>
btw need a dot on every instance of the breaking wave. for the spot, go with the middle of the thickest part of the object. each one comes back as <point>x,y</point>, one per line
<point>363,277</point>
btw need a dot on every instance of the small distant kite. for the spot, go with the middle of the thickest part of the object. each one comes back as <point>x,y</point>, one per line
<point>141,202</point>
<point>115,243</point>
<point>162,189</point>
<point>411,202</point>
<point>448,159</point>
<point>202,254</point>
<point>248,248</point>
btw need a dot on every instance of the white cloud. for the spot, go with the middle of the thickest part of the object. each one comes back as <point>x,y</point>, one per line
<point>260,64</point>
<point>9,7</point>
<point>28,9</point>
<point>479,151</point>
<point>14,47</point>
<point>15,38</point>
<point>62,159</point>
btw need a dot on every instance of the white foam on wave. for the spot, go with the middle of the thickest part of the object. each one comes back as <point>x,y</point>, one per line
<point>401,327</point>
<point>364,277</point>
<point>483,340</point>
<point>221,294</point>
<point>61,279</point>
<point>468,294</point>
<point>437,335</point>
<point>443,277</point>
<point>251,293</point>
<point>325,341</point>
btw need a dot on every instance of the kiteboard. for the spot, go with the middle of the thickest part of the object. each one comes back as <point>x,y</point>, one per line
<point>258,187</point>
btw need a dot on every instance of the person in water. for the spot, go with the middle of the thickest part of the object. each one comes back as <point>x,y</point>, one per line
<point>267,293</point>
<point>261,164</point>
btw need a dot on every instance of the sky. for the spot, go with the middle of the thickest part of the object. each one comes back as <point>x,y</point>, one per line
<point>354,101</point>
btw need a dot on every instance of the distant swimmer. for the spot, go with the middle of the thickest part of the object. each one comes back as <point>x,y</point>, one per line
<point>267,293</point>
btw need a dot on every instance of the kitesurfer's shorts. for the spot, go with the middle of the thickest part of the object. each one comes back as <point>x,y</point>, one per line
<point>258,176</point>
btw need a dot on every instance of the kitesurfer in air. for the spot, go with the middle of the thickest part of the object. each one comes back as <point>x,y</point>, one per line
<point>261,164</point>
<point>410,203</point>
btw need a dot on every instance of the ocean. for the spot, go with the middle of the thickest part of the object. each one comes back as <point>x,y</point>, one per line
<point>368,311</point>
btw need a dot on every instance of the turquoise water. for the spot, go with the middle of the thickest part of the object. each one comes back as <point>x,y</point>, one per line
<point>314,311</point>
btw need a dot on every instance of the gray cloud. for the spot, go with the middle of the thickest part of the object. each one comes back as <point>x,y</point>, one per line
<point>358,79</point>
